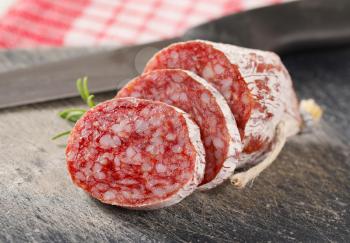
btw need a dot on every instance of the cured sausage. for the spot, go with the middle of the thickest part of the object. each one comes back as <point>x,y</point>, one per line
<point>208,60</point>
<point>208,109</point>
<point>136,153</point>
<point>271,86</point>
<point>255,84</point>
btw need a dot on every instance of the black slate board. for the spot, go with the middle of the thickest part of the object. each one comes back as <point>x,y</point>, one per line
<point>304,196</point>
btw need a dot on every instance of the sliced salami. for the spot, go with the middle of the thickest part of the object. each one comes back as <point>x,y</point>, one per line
<point>212,64</point>
<point>250,82</point>
<point>208,109</point>
<point>120,153</point>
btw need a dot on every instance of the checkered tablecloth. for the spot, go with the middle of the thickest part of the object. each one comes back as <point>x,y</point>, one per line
<point>34,23</point>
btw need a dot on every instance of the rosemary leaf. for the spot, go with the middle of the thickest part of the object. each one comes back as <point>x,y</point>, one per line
<point>63,114</point>
<point>85,88</point>
<point>60,135</point>
<point>80,89</point>
<point>74,116</point>
<point>90,101</point>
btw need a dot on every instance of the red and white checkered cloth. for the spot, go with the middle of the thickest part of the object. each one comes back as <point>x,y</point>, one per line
<point>34,23</point>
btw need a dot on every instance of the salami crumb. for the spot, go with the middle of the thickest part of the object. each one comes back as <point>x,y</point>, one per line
<point>208,109</point>
<point>136,153</point>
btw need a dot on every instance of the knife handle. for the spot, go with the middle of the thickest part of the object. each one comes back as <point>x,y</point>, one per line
<point>282,28</point>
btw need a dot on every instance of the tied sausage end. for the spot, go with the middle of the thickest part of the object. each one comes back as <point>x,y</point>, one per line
<point>240,180</point>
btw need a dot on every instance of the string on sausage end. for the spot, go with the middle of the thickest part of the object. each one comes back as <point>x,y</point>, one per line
<point>240,180</point>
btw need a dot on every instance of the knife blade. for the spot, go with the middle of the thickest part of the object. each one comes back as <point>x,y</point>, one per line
<point>107,70</point>
<point>282,28</point>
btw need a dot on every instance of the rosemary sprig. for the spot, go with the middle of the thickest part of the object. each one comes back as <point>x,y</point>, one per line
<point>74,114</point>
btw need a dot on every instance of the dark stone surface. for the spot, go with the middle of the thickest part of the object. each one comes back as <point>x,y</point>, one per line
<point>304,196</point>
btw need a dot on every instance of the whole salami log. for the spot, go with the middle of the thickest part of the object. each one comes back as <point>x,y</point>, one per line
<point>271,85</point>
<point>208,109</point>
<point>136,153</point>
<point>274,85</point>
<point>255,84</point>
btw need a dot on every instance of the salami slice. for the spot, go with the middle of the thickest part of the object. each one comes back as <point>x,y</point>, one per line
<point>120,153</point>
<point>208,109</point>
<point>249,80</point>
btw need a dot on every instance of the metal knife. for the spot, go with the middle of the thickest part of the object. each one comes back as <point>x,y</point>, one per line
<point>284,28</point>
